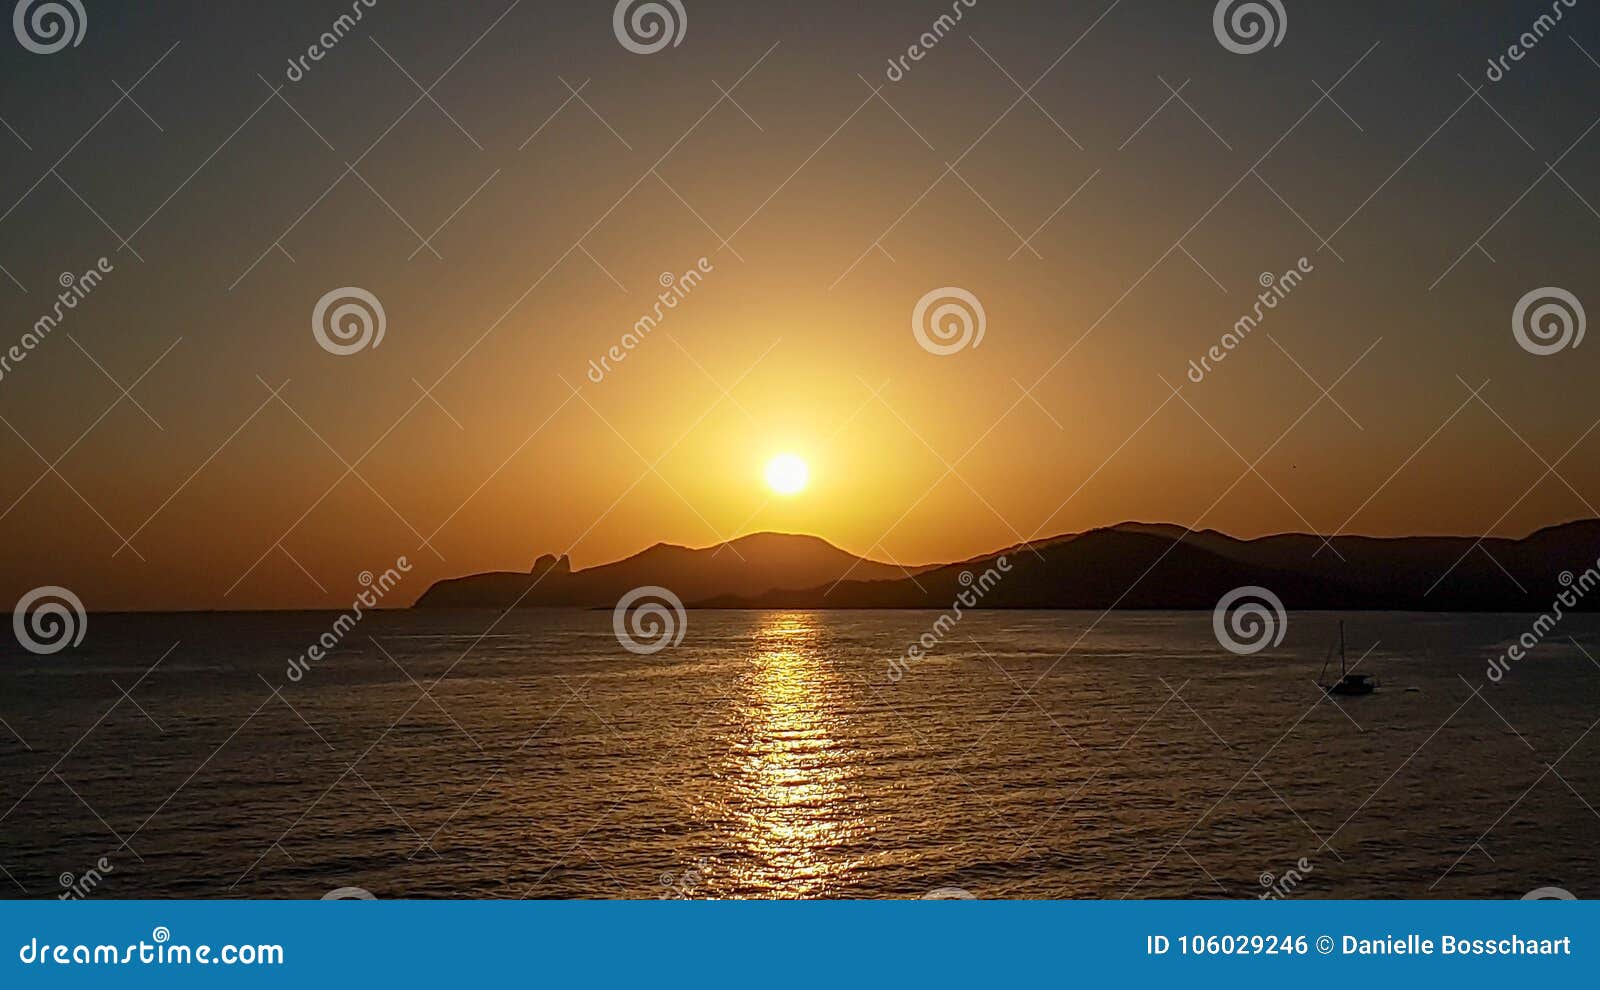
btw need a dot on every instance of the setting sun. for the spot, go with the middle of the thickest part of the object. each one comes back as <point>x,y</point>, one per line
<point>787,474</point>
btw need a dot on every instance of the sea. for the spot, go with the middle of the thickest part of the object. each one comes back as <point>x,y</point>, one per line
<point>475,754</point>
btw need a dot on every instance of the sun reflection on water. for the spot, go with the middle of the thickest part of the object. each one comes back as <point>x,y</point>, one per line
<point>791,768</point>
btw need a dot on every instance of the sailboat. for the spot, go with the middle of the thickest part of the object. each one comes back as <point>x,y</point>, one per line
<point>1348,683</point>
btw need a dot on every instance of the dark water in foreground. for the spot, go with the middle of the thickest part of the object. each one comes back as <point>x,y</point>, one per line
<point>770,756</point>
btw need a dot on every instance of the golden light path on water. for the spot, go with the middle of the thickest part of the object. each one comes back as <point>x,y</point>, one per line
<point>791,771</point>
<point>772,756</point>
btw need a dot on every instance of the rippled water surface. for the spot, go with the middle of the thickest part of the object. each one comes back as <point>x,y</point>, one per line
<point>771,755</point>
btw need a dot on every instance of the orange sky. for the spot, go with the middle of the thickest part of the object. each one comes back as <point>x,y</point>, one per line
<point>800,337</point>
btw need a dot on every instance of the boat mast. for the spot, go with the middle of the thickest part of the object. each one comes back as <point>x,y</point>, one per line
<point>1341,648</point>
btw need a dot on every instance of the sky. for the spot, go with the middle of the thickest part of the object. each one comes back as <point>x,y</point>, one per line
<point>511,183</point>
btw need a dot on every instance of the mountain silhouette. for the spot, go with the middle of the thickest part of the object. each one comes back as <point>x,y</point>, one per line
<point>1131,566</point>
<point>1161,566</point>
<point>748,566</point>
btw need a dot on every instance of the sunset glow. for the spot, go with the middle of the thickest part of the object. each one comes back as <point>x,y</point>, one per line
<point>954,363</point>
<point>787,474</point>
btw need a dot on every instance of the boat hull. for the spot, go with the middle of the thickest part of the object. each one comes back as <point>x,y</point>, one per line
<point>1351,690</point>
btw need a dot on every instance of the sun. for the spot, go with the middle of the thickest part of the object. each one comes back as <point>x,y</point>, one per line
<point>787,474</point>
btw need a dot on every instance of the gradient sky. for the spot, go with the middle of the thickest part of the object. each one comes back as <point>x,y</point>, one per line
<point>800,339</point>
